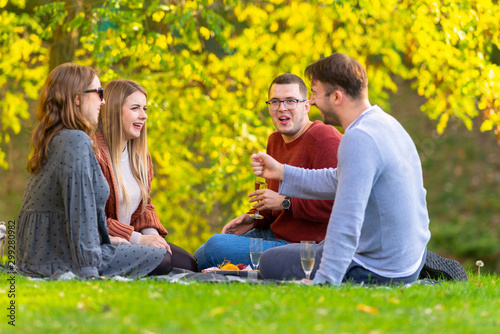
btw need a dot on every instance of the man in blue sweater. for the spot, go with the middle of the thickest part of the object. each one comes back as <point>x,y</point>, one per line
<point>379,225</point>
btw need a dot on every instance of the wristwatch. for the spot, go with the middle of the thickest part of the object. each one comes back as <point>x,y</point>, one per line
<point>286,203</point>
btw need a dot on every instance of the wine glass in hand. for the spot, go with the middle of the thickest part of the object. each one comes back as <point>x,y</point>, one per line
<point>260,183</point>
<point>255,252</point>
<point>307,256</point>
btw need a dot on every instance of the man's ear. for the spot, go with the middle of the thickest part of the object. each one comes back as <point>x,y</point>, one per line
<point>307,106</point>
<point>77,100</point>
<point>338,96</point>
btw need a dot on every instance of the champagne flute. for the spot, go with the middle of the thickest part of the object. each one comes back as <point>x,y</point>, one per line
<point>307,256</point>
<point>260,183</point>
<point>255,252</point>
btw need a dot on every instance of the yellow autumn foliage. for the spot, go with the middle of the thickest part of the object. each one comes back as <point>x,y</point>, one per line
<point>207,66</point>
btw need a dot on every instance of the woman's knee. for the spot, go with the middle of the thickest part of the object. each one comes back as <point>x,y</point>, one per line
<point>164,267</point>
<point>182,258</point>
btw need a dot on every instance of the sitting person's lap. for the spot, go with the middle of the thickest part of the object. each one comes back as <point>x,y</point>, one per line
<point>283,263</point>
<point>234,248</point>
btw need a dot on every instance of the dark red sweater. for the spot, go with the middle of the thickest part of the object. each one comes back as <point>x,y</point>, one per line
<point>307,219</point>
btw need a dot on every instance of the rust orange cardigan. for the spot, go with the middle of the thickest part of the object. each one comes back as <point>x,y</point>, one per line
<point>140,219</point>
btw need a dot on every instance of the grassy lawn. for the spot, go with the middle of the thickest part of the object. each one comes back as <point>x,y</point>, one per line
<point>152,306</point>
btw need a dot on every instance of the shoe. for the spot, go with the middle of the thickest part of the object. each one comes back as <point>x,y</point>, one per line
<point>437,267</point>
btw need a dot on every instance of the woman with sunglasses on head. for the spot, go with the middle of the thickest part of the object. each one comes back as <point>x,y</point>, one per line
<point>62,225</point>
<point>126,164</point>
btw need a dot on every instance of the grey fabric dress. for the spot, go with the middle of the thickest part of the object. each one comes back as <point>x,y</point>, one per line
<point>62,226</point>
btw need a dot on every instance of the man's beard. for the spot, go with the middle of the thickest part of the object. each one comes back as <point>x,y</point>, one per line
<point>330,117</point>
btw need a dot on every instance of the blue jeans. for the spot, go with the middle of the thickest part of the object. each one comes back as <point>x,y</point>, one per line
<point>283,263</point>
<point>357,274</point>
<point>234,248</point>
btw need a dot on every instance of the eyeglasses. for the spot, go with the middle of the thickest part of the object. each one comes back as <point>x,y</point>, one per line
<point>289,104</point>
<point>99,91</point>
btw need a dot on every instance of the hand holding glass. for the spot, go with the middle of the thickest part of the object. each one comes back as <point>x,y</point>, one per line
<point>307,256</point>
<point>255,252</point>
<point>260,183</point>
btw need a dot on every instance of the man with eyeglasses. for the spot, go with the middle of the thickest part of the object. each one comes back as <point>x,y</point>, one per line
<point>379,226</point>
<point>296,141</point>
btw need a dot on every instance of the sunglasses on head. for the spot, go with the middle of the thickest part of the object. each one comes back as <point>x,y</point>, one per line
<point>99,91</point>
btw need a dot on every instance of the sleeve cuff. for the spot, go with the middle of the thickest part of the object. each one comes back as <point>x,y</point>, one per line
<point>281,185</point>
<point>134,239</point>
<point>321,279</point>
<point>149,231</point>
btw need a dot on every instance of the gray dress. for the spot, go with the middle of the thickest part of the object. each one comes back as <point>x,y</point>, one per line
<point>62,226</point>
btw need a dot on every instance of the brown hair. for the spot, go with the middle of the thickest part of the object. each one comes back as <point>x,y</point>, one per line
<point>287,79</point>
<point>110,124</point>
<point>339,70</point>
<point>57,109</point>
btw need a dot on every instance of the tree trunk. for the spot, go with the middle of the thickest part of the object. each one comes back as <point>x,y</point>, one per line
<point>65,42</point>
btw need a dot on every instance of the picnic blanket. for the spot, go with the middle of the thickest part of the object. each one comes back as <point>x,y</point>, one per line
<point>177,275</point>
<point>183,276</point>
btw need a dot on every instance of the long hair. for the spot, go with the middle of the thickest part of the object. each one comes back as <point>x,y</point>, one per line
<point>57,109</point>
<point>110,124</point>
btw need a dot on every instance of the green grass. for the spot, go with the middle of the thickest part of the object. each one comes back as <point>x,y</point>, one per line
<point>152,306</point>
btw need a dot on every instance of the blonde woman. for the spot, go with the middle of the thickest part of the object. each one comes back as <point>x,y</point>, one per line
<point>62,226</point>
<point>126,164</point>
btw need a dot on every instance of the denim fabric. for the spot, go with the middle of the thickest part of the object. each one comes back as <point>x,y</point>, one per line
<point>283,263</point>
<point>234,248</point>
<point>357,274</point>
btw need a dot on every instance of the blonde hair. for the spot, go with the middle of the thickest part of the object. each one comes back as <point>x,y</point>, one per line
<point>110,124</point>
<point>57,109</point>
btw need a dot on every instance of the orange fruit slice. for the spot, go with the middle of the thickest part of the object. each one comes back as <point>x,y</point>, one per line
<point>229,266</point>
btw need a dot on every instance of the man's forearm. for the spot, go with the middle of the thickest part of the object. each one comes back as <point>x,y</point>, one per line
<point>309,183</point>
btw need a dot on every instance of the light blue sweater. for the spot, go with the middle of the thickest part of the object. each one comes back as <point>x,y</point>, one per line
<point>379,218</point>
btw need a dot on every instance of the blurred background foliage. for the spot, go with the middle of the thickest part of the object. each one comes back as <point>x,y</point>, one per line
<point>207,66</point>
